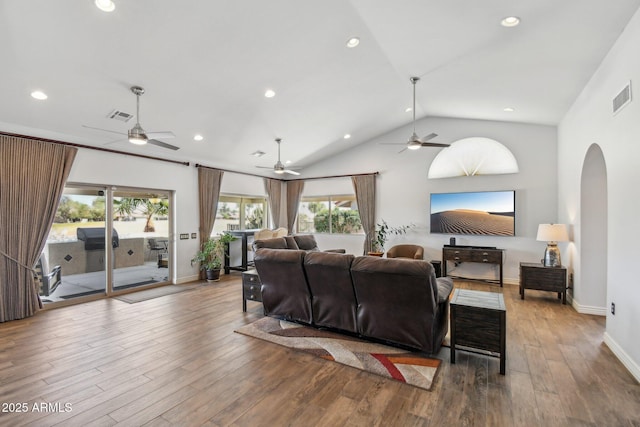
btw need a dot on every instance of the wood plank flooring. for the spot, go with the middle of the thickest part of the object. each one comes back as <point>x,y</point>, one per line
<point>175,361</point>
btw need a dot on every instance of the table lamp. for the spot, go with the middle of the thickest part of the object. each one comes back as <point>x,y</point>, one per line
<point>552,234</point>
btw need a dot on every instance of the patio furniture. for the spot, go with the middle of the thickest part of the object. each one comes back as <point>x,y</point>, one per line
<point>47,281</point>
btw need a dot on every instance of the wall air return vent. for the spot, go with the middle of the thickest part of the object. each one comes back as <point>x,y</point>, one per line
<point>622,99</point>
<point>120,116</point>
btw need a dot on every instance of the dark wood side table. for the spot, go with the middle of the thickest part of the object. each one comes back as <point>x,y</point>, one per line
<point>537,276</point>
<point>250,288</point>
<point>479,321</point>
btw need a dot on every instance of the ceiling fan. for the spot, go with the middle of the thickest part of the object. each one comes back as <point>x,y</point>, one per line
<point>137,135</point>
<point>279,167</point>
<point>414,141</point>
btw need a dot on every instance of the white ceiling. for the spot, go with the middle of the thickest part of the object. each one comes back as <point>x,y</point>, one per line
<point>205,66</point>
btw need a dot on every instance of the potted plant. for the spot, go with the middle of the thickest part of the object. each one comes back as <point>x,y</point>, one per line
<point>383,230</point>
<point>211,256</point>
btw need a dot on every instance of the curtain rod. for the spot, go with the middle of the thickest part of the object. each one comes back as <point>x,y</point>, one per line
<point>288,180</point>
<point>333,176</point>
<point>230,171</point>
<point>108,150</point>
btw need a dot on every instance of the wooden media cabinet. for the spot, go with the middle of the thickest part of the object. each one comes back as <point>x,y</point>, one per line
<point>480,254</point>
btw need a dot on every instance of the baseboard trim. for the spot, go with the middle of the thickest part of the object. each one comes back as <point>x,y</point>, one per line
<point>627,361</point>
<point>187,279</point>
<point>586,309</point>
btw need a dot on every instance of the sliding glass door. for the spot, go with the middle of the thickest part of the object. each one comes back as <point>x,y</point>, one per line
<point>141,222</point>
<point>80,260</point>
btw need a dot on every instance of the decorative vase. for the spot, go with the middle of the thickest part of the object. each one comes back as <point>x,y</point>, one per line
<point>378,254</point>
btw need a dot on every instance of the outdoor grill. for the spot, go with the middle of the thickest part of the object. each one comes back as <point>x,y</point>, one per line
<point>93,238</point>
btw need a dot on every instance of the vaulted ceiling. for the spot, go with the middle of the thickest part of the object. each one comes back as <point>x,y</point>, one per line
<point>205,66</point>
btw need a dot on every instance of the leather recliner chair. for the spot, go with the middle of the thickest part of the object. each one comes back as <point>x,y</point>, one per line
<point>406,251</point>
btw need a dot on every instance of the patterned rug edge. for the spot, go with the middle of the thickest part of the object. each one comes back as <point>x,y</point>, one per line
<point>415,369</point>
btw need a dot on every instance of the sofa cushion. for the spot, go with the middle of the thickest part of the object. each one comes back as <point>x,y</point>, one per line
<point>285,293</point>
<point>306,242</point>
<point>333,300</point>
<point>275,243</point>
<point>291,242</point>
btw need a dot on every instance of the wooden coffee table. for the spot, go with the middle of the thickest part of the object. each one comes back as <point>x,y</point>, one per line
<point>478,321</point>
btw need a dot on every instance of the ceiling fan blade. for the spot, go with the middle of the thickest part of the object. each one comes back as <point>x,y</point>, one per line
<point>402,149</point>
<point>265,167</point>
<point>392,143</point>
<point>428,137</point>
<point>433,144</point>
<point>160,135</point>
<point>104,130</point>
<point>162,144</point>
<point>289,171</point>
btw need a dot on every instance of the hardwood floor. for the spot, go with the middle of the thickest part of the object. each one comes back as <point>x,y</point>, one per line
<point>175,360</point>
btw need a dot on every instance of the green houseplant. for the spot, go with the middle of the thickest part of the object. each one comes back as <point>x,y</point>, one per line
<point>382,232</point>
<point>211,256</point>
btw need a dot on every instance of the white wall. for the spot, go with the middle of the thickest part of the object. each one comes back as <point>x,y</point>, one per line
<point>110,169</point>
<point>589,121</point>
<point>403,189</point>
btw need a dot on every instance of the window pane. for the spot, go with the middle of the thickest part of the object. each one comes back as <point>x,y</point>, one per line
<point>227,217</point>
<point>254,216</point>
<point>345,218</point>
<point>313,217</point>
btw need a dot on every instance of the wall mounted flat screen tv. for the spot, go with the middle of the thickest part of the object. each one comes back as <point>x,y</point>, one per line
<point>485,213</point>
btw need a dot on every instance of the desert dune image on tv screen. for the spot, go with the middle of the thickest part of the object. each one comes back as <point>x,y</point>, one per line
<point>483,213</point>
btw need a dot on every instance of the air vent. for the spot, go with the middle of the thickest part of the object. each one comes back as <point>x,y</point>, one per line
<point>622,99</point>
<point>120,116</point>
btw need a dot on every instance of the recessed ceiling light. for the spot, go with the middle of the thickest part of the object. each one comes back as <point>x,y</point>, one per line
<point>37,94</point>
<point>269,93</point>
<point>258,153</point>
<point>509,109</point>
<point>408,110</point>
<point>347,136</point>
<point>105,5</point>
<point>198,137</point>
<point>353,42</point>
<point>510,21</point>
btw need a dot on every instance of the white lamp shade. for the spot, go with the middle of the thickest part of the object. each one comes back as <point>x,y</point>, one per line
<point>552,233</point>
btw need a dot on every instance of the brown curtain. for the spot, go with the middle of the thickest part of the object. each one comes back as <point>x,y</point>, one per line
<point>294,192</point>
<point>273,187</point>
<point>365,188</point>
<point>209,182</point>
<point>32,178</point>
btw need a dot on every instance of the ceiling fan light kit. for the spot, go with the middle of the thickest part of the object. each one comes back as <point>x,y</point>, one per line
<point>279,168</point>
<point>415,142</point>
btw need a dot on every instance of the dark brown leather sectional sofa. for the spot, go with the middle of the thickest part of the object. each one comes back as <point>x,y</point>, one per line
<point>397,301</point>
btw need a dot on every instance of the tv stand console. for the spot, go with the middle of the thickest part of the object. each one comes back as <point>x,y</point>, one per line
<point>481,254</point>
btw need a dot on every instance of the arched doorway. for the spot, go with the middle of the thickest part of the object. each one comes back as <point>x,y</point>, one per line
<point>592,291</point>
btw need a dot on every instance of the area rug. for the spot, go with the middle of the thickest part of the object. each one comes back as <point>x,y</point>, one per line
<point>160,291</point>
<point>407,367</point>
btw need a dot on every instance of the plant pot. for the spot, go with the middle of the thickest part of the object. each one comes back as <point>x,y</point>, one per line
<point>378,254</point>
<point>213,275</point>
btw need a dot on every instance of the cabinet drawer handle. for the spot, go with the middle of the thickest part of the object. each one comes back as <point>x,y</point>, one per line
<point>456,252</point>
<point>485,260</point>
<point>485,254</point>
<point>252,297</point>
<point>253,288</point>
<point>457,258</point>
<point>252,279</point>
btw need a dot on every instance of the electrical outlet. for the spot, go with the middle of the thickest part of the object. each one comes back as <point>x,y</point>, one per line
<point>613,308</point>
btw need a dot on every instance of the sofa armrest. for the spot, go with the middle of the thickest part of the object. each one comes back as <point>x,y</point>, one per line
<point>445,286</point>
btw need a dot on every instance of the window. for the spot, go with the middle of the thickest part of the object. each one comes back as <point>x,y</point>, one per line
<point>240,213</point>
<point>329,214</point>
